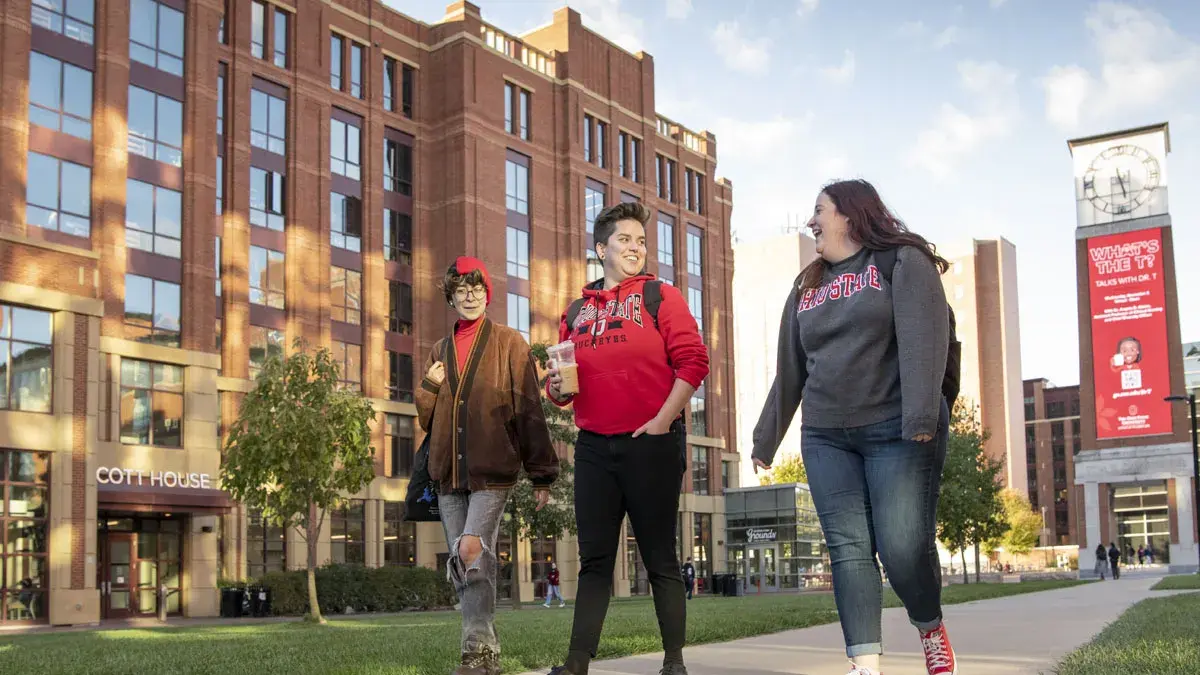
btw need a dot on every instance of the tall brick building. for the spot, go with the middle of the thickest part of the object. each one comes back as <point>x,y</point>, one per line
<point>190,185</point>
<point>1052,440</point>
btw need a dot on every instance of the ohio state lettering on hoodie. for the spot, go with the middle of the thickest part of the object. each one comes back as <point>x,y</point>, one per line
<point>627,367</point>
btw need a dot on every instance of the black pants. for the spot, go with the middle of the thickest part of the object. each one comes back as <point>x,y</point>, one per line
<point>616,475</point>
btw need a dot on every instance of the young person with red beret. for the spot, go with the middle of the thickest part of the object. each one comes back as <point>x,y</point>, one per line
<point>481,404</point>
<point>640,358</point>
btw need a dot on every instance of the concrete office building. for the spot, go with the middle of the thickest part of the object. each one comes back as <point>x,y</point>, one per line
<point>188,189</point>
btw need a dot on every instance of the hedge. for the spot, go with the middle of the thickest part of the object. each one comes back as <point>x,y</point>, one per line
<point>359,589</point>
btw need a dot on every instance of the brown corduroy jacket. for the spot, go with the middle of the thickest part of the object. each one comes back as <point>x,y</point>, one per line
<point>486,422</point>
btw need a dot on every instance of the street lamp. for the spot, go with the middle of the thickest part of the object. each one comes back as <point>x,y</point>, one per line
<point>1190,399</point>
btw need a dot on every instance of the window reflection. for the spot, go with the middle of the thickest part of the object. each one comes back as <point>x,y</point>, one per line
<point>152,310</point>
<point>60,197</point>
<point>151,403</point>
<point>24,496</point>
<point>25,359</point>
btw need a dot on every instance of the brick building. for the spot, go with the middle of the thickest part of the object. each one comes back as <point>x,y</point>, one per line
<point>200,182</point>
<point>1051,442</point>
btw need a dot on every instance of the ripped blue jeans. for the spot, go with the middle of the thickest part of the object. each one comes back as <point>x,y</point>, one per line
<point>478,514</point>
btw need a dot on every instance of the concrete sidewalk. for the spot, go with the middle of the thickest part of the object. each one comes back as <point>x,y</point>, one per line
<point>1024,634</point>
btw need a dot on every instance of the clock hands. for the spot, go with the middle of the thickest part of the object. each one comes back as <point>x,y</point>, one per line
<point>1121,180</point>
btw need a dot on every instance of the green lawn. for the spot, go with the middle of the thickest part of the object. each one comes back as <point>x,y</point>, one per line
<point>1181,582</point>
<point>1157,636</point>
<point>419,643</point>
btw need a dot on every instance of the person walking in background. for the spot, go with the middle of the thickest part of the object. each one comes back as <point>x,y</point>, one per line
<point>1101,568</point>
<point>689,577</point>
<point>1114,560</point>
<point>481,404</point>
<point>863,346</point>
<point>552,587</point>
<point>638,359</point>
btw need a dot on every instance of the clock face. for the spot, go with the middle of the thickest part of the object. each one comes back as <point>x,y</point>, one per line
<point>1121,179</point>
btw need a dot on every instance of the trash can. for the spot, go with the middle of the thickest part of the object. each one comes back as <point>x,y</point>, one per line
<point>236,596</point>
<point>226,603</point>
<point>255,600</point>
<point>718,583</point>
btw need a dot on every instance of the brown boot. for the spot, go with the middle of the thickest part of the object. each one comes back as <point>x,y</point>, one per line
<point>483,662</point>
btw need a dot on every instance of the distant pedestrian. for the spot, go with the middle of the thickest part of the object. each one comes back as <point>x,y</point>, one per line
<point>1150,555</point>
<point>552,587</point>
<point>1141,554</point>
<point>689,577</point>
<point>1114,560</point>
<point>1101,568</point>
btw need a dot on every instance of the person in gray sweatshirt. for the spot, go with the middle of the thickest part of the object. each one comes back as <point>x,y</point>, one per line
<point>862,351</point>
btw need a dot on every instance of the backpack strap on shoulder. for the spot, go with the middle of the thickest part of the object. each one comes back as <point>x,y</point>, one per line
<point>573,310</point>
<point>652,298</point>
<point>885,260</point>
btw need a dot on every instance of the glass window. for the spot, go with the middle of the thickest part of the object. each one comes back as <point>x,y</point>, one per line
<point>698,414</point>
<point>221,102</point>
<point>267,202</point>
<point>399,535</point>
<point>356,64</point>
<point>349,357</point>
<point>397,237</point>
<point>60,198</point>
<point>280,43</point>
<point>268,122</point>
<point>518,314</point>
<point>696,304</point>
<point>635,160</point>
<point>389,84</point>
<point>622,156</point>
<point>345,226</point>
<point>510,95</point>
<point>152,310</point>
<point>335,61</point>
<point>72,18</point>
<point>397,167</point>
<point>400,307</point>
<point>24,535</point>
<point>407,81</point>
<point>26,345</point>
<point>517,187</point>
<point>593,204</point>
<point>695,254</point>
<point>267,269</point>
<point>344,149</point>
<point>151,404</point>
<point>346,294</point>
<point>258,28</point>
<point>347,523</point>
<point>217,264</point>
<point>220,185</point>
<point>666,243</point>
<point>156,36</point>
<point>671,170</point>
<point>155,126</point>
<point>60,96</point>
<point>702,545</point>
<point>265,343</point>
<point>400,388</point>
<point>588,123</point>
<point>518,253</point>
<point>601,135</point>
<point>266,546</point>
<point>699,470</point>
<point>523,98</point>
<point>152,218</point>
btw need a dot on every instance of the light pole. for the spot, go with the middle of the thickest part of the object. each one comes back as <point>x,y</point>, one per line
<point>1190,399</point>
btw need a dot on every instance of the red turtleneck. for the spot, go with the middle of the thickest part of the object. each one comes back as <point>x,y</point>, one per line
<point>464,335</point>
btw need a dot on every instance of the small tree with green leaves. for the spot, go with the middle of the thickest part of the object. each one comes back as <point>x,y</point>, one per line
<point>969,509</point>
<point>1024,524</point>
<point>786,469</point>
<point>299,444</point>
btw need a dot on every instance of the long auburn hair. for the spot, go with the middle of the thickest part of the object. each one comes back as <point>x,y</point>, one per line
<point>872,225</point>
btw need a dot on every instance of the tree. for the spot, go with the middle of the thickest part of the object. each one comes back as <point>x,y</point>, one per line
<point>969,508</point>
<point>300,443</point>
<point>1024,524</point>
<point>787,469</point>
<point>521,519</point>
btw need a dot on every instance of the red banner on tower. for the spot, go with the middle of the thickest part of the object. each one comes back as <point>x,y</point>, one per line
<point>1129,334</point>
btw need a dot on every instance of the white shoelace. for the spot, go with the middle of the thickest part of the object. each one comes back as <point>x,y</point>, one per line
<point>862,670</point>
<point>935,651</point>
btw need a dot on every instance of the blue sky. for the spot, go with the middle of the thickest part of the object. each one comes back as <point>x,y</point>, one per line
<point>958,112</point>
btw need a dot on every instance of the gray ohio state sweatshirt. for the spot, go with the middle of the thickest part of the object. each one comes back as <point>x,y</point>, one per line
<point>858,350</point>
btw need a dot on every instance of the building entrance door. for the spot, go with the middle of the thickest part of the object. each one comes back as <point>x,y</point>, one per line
<point>138,556</point>
<point>116,577</point>
<point>761,575</point>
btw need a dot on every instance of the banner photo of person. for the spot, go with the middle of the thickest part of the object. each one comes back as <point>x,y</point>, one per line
<point>1129,334</point>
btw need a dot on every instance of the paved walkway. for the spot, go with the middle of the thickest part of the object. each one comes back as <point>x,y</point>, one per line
<point>1024,634</point>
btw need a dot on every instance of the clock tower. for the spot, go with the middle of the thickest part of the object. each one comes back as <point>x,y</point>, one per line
<point>1133,478</point>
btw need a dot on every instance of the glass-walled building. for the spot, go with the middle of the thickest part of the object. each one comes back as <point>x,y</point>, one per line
<point>774,538</point>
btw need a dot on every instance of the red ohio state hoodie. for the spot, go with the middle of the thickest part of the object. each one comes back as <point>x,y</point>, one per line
<point>627,367</point>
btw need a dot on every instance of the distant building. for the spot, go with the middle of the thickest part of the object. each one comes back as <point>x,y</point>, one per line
<point>1051,442</point>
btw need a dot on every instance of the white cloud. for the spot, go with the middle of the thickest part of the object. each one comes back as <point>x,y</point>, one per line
<point>949,36</point>
<point>918,31</point>
<point>956,133</point>
<point>741,53</point>
<point>679,9</point>
<point>834,166</point>
<point>997,4</point>
<point>841,74</point>
<point>1142,61</point>
<point>607,18</point>
<point>758,139</point>
<point>912,29</point>
<point>807,7</point>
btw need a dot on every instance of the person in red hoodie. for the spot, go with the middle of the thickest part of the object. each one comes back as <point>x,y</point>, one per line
<point>639,361</point>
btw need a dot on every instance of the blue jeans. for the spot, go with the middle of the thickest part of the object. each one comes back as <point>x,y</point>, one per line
<point>876,492</point>
<point>478,514</point>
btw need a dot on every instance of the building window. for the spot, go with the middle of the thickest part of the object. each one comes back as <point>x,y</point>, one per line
<point>400,380</point>
<point>696,304</point>
<point>400,307</point>
<point>268,122</point>
<point>698,414</point>
<point>347,523</point>
<point>61,196</point>
<point>152,218</point>
<point>267,203</point>
<point>60,96</point>
<point>335,61</point>
<point>397,167</point>
<point>516,110</point>
<point>629,155</point>
<point>595,133</point>
<point>221,103</point>
<point>356,66</point>
<point>695,191</point>
<point>399,535</point>
<point>695,254</point>
<point>345,156</point>
<point>699,470</point>
<point>266,546</point>
<point>345,222</point>
<point>155,126</point>
<point>346,294</point>
<point>408,76</point>
<point>26,345</point>
<point>265,344</point>
<point>217,266</point>
<point>702,545</point>
<point>389,84</point>
<point>516,187</point>
<point>400,432</point>
<point>593,204</point>
<point>267,270</point>
<point>280,45</point>
<point>220,185</point>
<point>349,357</point>
<point>726,476</point>
<point>258,29</point>
<point>156,36</point>
<point>397,237</point>
<point>666,242</point>
<point>152,310</point>
<point>24,535</point>
<point>518,253</point>
<point>72,18</point>
<point>151,404</point>
<point>518,314</point>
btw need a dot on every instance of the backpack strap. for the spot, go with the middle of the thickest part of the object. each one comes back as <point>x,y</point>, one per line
<point>885,260</point>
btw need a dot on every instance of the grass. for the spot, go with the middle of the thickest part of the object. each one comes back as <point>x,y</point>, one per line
<point>1181,582</point>
<point>1154,636</point>
<point>421,643</point>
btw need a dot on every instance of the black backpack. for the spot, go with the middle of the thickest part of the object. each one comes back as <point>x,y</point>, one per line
<point>885,260</point>
<point>651,299</point>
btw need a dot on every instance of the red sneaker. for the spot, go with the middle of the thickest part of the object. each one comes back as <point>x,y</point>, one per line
<point>939,655</point>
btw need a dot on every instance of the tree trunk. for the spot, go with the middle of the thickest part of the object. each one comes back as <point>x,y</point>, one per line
<point>516,573</point>
<point>966,575</point>
<point>976,562</point>
<point>312,528</point>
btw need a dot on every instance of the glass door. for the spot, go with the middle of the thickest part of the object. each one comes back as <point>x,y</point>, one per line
<point>770,578</point>
<point>118,577</point>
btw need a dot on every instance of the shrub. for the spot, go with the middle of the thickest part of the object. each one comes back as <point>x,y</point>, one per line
<point>362,589</point>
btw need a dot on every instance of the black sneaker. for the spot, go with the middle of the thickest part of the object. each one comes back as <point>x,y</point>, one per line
<point>561,670</point>
<point>673,668</point>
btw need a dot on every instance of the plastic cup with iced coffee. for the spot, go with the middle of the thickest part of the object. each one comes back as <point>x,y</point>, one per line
<point>563,357</point>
